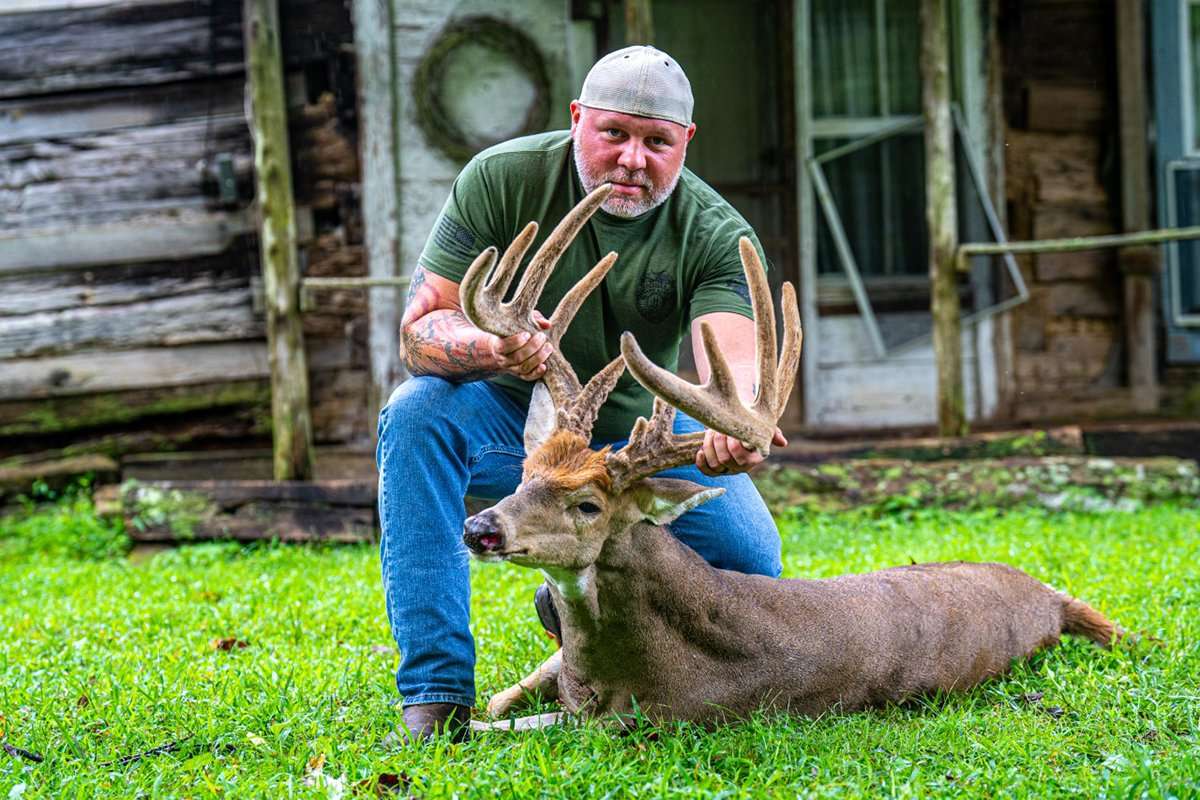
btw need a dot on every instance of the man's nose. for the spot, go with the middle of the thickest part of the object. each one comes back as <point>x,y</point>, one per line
<point>482,534</point>
<point>633,156</point>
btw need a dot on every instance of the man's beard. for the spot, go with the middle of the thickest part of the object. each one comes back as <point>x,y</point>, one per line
<point>619,205</point>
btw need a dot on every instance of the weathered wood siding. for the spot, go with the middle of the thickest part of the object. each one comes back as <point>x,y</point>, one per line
<point>1062,174</point>
<point>130,297</point>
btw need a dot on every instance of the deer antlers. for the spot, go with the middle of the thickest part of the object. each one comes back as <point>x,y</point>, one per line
<point>652,445</point>
<point>484,305</point>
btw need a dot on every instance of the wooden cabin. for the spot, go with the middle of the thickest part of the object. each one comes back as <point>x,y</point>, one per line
<point>131,301</point>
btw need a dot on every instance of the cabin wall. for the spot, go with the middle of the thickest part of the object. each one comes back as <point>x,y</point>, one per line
<point>130,292</point>
<point>1062,179</point>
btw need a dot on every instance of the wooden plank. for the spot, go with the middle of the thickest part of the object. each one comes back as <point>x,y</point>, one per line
<point>230,494</point>
<point>291,424</point>
<point>332,463</point>
<point>267,522</point>
<point>121,284</point>
<point>56,473</point>
<point>111,176</point>
<point>1141,336</point>
<point>87,373</point>
<point>51,48</point>
<point>211,316</point>
<point>1180,439</point>
<point>373,44</point>
<point>1066,440</point>
<point>156,238</point>
<point>941,216</point>
<point>33,119</point>
<point>53,415</point>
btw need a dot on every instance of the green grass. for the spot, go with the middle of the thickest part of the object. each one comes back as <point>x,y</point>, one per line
<point>103,656</point>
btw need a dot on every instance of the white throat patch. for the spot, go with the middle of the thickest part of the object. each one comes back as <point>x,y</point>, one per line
<point>571,584</point>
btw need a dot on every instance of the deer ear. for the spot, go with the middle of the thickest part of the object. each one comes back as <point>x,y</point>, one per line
<point>542,418</point>
<point>663,500</point>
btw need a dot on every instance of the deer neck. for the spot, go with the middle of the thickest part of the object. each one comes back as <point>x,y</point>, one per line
<point>613,612</point>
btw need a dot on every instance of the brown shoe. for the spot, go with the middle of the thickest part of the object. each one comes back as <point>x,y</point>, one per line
<point>427,720</point>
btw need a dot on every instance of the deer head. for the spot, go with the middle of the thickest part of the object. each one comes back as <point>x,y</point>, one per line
<point>573,499</point>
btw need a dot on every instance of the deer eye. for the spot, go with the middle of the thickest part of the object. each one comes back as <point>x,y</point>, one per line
<point>588,508</point>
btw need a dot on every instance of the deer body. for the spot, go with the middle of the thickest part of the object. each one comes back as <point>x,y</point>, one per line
<point>647,624</point>
<point>653,624</point>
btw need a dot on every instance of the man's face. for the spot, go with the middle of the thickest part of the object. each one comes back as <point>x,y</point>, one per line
<point>641,157</point>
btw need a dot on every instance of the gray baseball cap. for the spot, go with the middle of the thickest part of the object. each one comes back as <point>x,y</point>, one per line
<point>642,81</point>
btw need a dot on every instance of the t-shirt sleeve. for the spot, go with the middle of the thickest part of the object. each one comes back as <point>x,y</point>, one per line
<point>464,227</point>
<point>721,285</point>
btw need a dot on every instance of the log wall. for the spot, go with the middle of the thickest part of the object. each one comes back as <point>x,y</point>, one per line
<point>1062,179</point>
<point>130,298</point>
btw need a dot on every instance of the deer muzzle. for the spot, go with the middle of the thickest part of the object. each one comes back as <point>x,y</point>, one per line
<point>482,534</point>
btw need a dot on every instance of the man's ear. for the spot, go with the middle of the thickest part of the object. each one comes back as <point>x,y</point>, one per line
<point>541,420</point>
<point>663,500</point>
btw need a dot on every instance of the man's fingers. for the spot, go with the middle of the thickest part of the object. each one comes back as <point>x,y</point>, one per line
<point>779,440</point>
<point>743,455</point>
<point>541,321</point>
<point>721,446</point>
<point>535,360</point>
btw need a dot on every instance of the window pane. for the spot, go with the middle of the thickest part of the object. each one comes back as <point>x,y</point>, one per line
<point>1186,272</point>
<point>903,26</point>
<point>879,192</point>
<point>844,61</point>
<point>1193,52</point>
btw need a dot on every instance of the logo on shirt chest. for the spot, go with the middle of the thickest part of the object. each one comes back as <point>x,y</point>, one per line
<point>655,298</point>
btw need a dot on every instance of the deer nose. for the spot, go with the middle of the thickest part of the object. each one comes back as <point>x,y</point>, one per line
<point>482,534</point>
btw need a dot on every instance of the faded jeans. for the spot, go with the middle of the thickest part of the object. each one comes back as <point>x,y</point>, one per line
<point>440,441</point>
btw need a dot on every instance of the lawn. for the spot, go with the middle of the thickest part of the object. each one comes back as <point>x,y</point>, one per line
<point>267,672</point>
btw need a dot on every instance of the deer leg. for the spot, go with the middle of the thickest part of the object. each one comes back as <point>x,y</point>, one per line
<point>542,681</point>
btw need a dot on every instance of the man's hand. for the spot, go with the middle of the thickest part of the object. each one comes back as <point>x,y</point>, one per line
<point>523,354</point>
<point>724,455</point>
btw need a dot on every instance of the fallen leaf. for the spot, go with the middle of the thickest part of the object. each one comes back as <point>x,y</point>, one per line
<point>83,701</point>
<point>1054,711</point>
<point>228,643</point>
<point>316,763</point>
<point>382,649</point>
<point>1032,698</point>
<point>256,740</point>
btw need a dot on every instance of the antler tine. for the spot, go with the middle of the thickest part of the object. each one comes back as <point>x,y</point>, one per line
<point>578,414</point>
<point>573,299</point>
<point>716,403</point>
<point>764,324</point>
<point>789,358</point>
<point>652,447</point>
<point>539,269</point>
<point>483,302</point>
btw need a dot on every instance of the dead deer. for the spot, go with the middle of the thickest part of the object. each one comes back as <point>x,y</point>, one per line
<point>647,625</point>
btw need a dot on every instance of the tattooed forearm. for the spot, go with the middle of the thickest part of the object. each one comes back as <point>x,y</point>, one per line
<point>444,343</point>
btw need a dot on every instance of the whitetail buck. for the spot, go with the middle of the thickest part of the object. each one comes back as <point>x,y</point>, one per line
<point>648,625</point>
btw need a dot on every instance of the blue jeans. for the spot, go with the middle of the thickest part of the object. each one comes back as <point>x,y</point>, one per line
<point>440,441</point>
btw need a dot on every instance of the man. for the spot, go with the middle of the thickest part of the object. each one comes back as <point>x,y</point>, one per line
<point>446,433</point>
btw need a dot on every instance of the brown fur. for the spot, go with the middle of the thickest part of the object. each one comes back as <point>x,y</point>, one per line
<point>1082,620</point>
<point>565,463</point>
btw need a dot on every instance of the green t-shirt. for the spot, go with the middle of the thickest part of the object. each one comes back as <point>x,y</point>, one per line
<point>675,263</point>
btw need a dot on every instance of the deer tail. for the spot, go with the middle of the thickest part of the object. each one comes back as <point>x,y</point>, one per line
<point>1082,620</point>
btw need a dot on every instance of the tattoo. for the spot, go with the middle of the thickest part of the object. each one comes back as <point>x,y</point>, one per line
<point>443,342</point>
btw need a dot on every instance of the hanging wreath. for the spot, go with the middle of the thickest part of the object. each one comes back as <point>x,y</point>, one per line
<point>439,126</point>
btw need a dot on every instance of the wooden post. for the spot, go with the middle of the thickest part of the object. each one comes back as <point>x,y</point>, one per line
<point>639,22</point>
<point>378,108</point>
<point>1139,265</point>
<point>941,215</point>
<point>291,423</point>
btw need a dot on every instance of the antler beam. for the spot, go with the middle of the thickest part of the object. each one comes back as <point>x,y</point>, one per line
<point>653,448</point>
